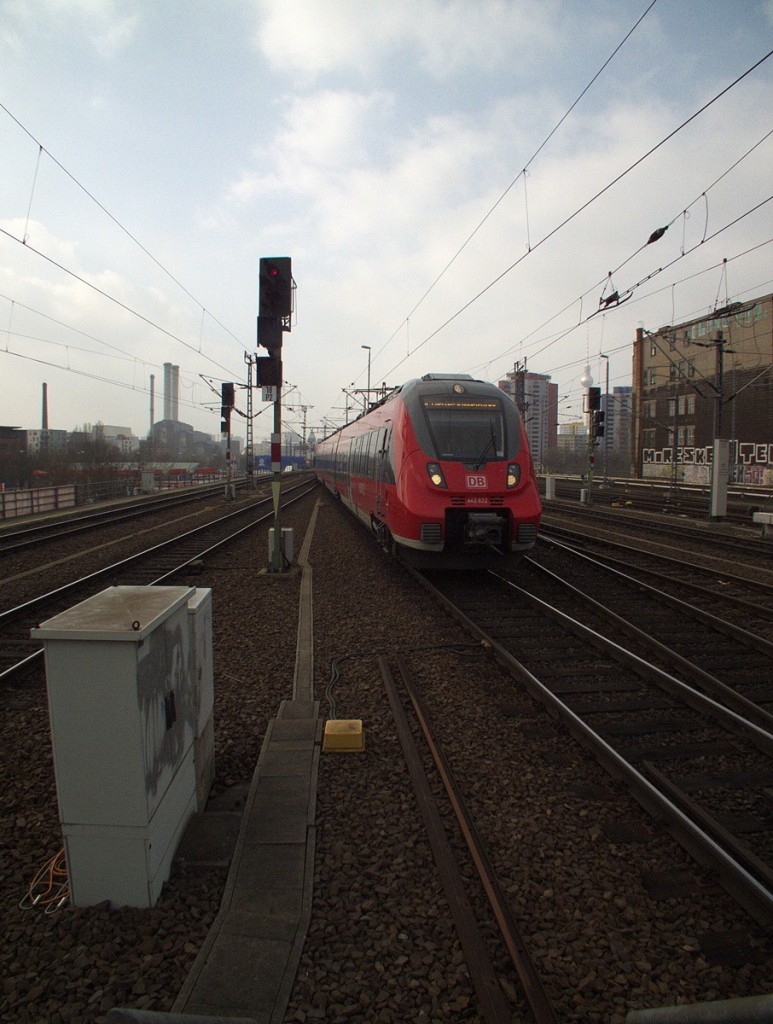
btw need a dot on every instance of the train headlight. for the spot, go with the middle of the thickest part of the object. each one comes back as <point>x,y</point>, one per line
<point>513,474</point>
<point>436,474</point>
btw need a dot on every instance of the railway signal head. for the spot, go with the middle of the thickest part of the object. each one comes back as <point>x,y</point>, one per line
<point>226,404</point>
<point>594,399</point>
<point>275,296</point>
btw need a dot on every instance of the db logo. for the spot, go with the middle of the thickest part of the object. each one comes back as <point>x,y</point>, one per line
<point>476,481</point>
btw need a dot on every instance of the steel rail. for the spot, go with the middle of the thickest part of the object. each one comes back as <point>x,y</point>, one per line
<point>724,694</point>
<point>667,508</point>
<point>516,947</point>
<point>11,613</point>
<point>726,717</point>
<point>493,1006</point>
<point>750,893</point>
<point>694,588</point>
<point>68,522</point>
<point>546,528</point>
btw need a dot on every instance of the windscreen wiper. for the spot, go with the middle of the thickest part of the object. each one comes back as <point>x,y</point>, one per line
<point>491,443</point>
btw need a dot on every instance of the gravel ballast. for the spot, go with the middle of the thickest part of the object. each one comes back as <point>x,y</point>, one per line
<point>381,946</point>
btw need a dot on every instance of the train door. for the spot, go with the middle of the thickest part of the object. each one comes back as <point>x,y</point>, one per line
<point>343,478</point>
<point>368,490</point>
<point>384,473</point>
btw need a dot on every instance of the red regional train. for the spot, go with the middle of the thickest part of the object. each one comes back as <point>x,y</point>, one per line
<point>440,471</point>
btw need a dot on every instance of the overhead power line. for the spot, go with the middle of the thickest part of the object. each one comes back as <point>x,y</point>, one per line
<point>565,333</point>
<point>584,206</point>
<point>112,298</point>
<point>15,304</point>
<point>119,225</point>
<point>523,172</point>
<point>94,376</point>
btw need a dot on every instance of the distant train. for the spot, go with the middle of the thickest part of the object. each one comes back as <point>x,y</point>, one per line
<point>441,473</point>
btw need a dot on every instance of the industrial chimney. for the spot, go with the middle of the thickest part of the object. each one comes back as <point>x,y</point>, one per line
<point>171,391</point>
<point>44,419</point>
<point>167,391</point>
<point>175,393</point>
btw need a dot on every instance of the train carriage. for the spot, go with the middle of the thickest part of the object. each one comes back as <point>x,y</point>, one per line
<point>440,472</point>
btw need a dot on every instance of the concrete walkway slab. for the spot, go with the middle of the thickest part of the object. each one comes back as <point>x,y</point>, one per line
<point>247,965</point>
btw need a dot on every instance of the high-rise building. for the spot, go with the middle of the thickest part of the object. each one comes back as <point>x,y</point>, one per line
<point>537,399</point>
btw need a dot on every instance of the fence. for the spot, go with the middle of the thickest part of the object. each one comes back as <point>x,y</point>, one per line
<point>36,500</point>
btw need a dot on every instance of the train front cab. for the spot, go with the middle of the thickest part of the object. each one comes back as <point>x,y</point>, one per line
<point>466,494</point>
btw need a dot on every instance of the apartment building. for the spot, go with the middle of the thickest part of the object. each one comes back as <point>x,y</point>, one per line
<point>709,377</point>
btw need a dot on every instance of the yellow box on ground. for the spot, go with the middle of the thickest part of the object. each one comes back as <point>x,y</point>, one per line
<point>343,735</point>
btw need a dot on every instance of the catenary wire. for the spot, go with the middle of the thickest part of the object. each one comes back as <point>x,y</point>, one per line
<point>42,149</point>
<point>582,320</point>
<point>69,327</point>
<point>112,298</point>
<point>526,166</point>
<point>93,376</point>
<point>563,334</point>
<point>584,206</point>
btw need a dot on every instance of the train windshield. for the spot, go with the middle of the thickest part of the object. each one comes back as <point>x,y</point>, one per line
<point>466,427</point>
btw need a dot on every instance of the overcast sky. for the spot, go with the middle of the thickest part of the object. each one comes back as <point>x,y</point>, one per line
<point>151,152</point>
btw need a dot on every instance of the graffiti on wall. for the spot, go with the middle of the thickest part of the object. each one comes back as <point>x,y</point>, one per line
<point>750,462</point>
<point>742,453</point>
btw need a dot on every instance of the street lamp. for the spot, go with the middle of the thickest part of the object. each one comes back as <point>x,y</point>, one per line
<point>606,419</point>
<point>367,402</point>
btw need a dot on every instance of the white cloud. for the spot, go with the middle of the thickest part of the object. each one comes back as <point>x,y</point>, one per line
<point>109,25</point>
<point>441,36</point>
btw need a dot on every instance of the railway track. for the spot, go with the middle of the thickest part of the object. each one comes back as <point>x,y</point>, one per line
<point>692,502</point>
<point>15,538</point>
<point>573,518</point>
<point>692,761</point>
<point>713,580</point>
<point>494,1007</point>
<point>152,566</point>
<point>720,653</point>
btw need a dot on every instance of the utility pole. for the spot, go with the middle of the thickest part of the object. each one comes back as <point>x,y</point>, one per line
<point>346,406</point>
<point>250,446</point>
<point>720,465</point>
<point>519,387</point>
<point>674,460</point>
<point>304,410</point>
<point>367,400</point>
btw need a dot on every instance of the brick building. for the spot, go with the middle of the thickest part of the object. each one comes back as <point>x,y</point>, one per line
<point>706,378</point>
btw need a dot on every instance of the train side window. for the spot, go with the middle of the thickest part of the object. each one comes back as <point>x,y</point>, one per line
<point>386,463</point>
<point>387,457</point>
<point>343,458</point>
<point>381,452</point>
<point>371,456</point>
